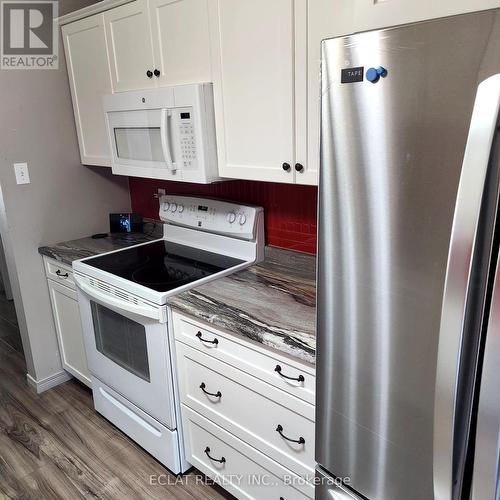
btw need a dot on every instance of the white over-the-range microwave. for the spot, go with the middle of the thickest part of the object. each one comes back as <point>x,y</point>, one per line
<point>166,133</point>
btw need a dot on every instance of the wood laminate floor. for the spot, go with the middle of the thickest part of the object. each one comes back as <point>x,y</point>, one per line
<point>9,329</point>
<point>55,446</point>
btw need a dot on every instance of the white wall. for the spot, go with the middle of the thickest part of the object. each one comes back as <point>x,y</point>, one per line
<point>65,200</point>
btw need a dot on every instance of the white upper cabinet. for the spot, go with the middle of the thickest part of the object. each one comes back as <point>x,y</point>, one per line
<point>154,43</point>
<point>130,46</point>
<point>325,19</point>
<point>137,45</point>
<point>253,67</point>
<point>374,14</point>
<point>89,79</point>
<point>263,57</point>
<point>180,41</point>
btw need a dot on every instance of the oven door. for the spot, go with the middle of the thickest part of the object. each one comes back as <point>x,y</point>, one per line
<point>127,348</point>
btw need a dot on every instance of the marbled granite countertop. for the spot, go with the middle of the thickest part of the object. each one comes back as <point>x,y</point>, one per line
<point>68,251</point>
<point>273,303</point>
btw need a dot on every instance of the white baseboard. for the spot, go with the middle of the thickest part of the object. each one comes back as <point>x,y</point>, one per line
<point>48,382</point>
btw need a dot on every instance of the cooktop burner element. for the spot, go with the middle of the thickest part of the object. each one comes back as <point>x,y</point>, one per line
<point>162,265</point>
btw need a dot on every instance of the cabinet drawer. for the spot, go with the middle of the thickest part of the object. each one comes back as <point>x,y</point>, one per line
<point>249,408</point>
<point>154,437</point>
<point>245,472</point>
<point>249,357</point>
<point>59,272</point>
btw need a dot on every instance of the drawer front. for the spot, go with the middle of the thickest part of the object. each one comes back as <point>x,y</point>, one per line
<point>259,414</point>
<point>259,362</point>
<point>155,438</point>
<point>61,273</point>
<point>245,472</point>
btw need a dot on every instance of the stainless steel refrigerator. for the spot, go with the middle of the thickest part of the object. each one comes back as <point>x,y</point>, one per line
<point>408,351</point>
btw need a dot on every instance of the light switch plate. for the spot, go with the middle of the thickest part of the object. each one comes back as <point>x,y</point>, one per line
<point>22,173</point>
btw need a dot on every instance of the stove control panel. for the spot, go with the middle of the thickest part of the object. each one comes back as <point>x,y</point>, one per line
<point>214,216</point>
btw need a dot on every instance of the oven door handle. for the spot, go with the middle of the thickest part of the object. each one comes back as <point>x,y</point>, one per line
<point>165,138</point>
<point>119,305</point>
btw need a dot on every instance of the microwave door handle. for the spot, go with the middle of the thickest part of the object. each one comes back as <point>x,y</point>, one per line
<point>462,245</point>
<point>165,136</point>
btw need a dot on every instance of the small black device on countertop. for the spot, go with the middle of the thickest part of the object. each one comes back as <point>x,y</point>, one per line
<point>126,223</point>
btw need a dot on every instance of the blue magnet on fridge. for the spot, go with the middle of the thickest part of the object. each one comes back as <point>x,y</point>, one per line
<point>381,71</point>
<point>372,75</point>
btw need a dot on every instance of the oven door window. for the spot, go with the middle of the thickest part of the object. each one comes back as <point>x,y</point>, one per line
<point>121,340</point>
<point>138,143</point>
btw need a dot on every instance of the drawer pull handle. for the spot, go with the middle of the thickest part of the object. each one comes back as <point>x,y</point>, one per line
<point>214,341</point>
<point>301,440</point>
<point>221,461</point>
<point>218,394</point>
<point>61,275</point>
<point>300,378</point>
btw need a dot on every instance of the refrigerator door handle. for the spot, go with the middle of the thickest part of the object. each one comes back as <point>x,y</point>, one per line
<point>458,279</point>
<point>486,477</point>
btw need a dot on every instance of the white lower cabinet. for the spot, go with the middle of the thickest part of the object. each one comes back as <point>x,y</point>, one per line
<point>201,376</point>
<point>244,413</point>
<point>241,469</point>
<point>66,314</point>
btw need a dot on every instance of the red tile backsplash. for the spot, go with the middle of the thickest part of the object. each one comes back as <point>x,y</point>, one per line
<point>290,210</point>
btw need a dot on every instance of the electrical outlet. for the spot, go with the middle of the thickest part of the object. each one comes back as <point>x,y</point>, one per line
<point>22,173</point>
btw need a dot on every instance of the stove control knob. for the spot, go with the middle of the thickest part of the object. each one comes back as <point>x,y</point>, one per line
<point>231,217</point>
<point>243,219</point>
<point>180,209</point>
<point>173,207</point>
<point>166,206</point>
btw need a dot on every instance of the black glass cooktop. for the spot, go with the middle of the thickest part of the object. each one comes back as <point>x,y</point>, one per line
<point>162,265</point>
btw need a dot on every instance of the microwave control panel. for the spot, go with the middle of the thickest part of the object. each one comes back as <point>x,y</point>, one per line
<point>214,216</point>
<point>187,139</point>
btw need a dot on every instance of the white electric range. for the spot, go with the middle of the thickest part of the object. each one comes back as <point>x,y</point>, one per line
<point>123,305</point>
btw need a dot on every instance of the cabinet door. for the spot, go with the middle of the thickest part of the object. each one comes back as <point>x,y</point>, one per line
<point>69,330</point>
<point>306,168</point>
<point>89,79</point>
<point>130,49</point>
<point>325,19</point>
<point>253,64</point>
<point>374,14</point>
<point>181,42</point>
